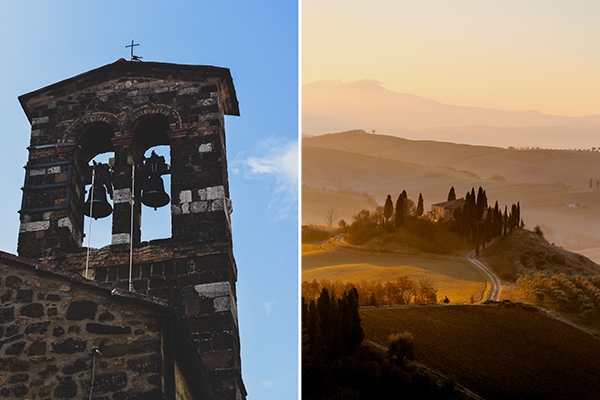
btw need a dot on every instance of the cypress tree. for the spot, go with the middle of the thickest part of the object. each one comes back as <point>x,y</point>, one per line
<point>356,334</point>
<point>451,194</point>
<point>420,207</point>
<point>400,207</point>
<point>488,226</point>
<point>388,208</point>
<point>327,323</point>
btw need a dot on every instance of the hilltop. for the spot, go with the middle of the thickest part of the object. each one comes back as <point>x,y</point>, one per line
<point>552,186</point>
<point>330,106</point>
<point>524,251</point>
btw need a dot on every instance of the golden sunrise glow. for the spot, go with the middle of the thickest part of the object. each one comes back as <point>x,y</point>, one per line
<point>512,55</point>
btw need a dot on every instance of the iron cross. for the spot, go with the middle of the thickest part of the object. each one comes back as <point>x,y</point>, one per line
<point>132,45</point>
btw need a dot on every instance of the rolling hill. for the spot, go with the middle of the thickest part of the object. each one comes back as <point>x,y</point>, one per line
<point>552,186</point>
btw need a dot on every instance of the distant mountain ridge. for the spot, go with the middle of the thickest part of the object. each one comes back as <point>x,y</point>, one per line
<point>330,106</point>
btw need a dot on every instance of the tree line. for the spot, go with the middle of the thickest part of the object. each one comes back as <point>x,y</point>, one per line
<point>480,222</point>
<point>476,220</point>
<point>402,291</point>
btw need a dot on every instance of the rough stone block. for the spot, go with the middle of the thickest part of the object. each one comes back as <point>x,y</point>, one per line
<point>185,208</point>
<point>37,349</point>
<point>66,389</point>
<point>111,382</point>
<point>13,364</point>
<point>188,90</point>
<point>217,205</point>
<point>122,195</point>
<point>66,223</point>
<point>102,329</point>
<point>40,120</point>
<point>70,346</point>
<point>13,281</point>
<point>37,327</point>
<point>185,196</point>
<point>37,171</point>
<point>150,363</point>
<point>210,101</point>
<point>120,238</point>
<point>15,349</point>
<point>199,206</point>
<point>205,148</point>
<point>34,310</point>
<point>215,192</point>
<point>79,365</point>
<point>25,295</point>
<point>34,226</point>
<point>81,309</point>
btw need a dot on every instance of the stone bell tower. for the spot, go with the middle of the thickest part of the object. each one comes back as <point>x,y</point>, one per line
<point>125,109</point>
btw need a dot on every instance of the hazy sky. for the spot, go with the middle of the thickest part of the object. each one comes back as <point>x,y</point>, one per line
<point>510,54</point>
<point>43,42</point>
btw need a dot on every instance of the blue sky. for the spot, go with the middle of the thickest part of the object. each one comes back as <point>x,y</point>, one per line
<point>43,42</point>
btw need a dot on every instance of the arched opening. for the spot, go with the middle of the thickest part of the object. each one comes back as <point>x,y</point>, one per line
<point>151,138</point>
<point>97,231</point>
<point>156,222</point>
<point>95,148</point>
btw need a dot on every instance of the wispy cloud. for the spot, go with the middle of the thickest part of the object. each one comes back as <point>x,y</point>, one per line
<point>267,385</point>
<point>268,305</point>
<point>276,160</point>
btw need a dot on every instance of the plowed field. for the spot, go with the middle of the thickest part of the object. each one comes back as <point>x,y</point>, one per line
<point>497,352</point>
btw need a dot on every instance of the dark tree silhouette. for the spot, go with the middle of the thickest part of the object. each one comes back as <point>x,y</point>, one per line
<point>401,209</point>
<point>420,207</point>
<point>451,194</point>
<point>481,203</point>
<point>388,208</point>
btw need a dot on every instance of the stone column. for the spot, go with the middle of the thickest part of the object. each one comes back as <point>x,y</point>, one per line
<point>125,156</point>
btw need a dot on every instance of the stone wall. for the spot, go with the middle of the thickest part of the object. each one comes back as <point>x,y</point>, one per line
<point>49,326</point>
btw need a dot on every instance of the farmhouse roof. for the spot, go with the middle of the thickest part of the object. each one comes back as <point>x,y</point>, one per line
<point>451,204</point>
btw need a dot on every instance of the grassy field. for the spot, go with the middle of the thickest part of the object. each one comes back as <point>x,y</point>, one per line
<point>498,352</point>
<point>308,249</point>
<point>453,277</point>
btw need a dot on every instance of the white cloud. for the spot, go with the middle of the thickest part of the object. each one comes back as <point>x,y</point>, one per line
<point>268,305</point>
<point>277,161</point>
<point>267,385</point>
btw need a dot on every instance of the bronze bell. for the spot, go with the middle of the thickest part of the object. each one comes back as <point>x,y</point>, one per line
<point>97,203</point>
<point>153,192</point>
<point>153,188</point>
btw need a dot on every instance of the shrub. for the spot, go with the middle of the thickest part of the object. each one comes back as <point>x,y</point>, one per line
<point>401,347</point>
<point>312,233</point>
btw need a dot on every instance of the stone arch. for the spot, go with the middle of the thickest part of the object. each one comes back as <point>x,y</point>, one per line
<point>93,133</point>
<point>97,117</point>
<point>170,113</point>
<point>150,123</point>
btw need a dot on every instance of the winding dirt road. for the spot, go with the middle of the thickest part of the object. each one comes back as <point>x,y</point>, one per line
<point>495,285</point>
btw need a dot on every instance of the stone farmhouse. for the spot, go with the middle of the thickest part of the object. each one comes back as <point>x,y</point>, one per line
<point>446,209</point>
<point>132,320</point>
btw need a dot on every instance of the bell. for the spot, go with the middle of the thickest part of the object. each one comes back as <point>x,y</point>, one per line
<point>97,203</point>
<point>153,192</point>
